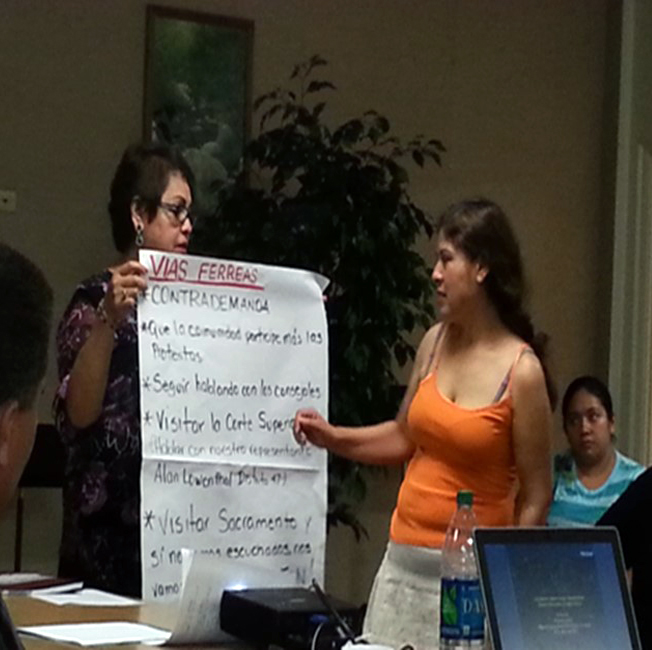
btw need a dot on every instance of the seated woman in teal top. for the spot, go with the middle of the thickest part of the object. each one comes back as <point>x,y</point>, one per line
<point>592,474</point>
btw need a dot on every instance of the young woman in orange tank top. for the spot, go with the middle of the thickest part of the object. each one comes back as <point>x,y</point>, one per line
<point>476,415</point>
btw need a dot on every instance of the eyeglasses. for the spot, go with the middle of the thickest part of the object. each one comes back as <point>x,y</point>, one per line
<point>177,212</point>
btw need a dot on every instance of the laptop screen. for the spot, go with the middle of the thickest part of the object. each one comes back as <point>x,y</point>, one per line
<point>555,588</point>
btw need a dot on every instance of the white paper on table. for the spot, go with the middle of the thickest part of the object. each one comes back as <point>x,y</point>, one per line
<point>87,597</point>
<point>10,579</point>
<point>205,580</point>
<point>91,634</point>
<point>67,588</point>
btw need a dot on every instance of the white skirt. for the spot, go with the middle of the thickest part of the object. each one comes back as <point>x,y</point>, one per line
<point>404,600</point>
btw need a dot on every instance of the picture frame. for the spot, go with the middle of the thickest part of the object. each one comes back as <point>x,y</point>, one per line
<point>198,92</point>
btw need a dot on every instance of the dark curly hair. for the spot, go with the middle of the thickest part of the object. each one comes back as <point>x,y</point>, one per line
<point>142,176</point>
<point>481,230</point>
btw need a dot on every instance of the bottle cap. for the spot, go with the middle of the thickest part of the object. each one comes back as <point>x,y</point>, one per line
<point>465,498</point>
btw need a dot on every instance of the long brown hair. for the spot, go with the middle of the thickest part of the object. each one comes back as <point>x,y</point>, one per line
<point>480,229</point>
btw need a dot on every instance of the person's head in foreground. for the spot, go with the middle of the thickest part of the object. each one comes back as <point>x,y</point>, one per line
<point>26,299</point>
<point>151,198</point>
<point>589,422</point>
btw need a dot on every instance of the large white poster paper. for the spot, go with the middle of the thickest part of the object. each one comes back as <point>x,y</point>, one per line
<point>228,351</point>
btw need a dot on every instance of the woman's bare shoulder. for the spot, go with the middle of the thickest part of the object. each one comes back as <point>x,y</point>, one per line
<point>528,371</point>
<point>428,339</point>
<point>425,349</point>
<point>433,330</point>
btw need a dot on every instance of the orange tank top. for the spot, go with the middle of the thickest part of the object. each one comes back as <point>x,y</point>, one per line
<point>455,449</point>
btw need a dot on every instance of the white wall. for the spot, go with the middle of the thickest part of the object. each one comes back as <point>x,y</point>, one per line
<point>631,316</point>
<point>514,88</point>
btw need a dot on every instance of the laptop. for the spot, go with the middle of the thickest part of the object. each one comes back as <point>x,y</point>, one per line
<point>555,589</point>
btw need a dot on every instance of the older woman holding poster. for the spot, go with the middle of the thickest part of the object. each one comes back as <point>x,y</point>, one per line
<point>476,416</point>
<point>97,405</point>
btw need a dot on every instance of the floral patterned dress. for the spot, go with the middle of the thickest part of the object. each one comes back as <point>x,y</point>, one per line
<point>101,495</point>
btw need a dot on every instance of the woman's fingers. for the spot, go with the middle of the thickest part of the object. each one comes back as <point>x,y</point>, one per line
<point>127,281</point>
<point>129,296</point>
<point>132,267</point>
<point>310,426</point>
<point>303,421</point>
<point>298,426</point>
<point>119,295</point>
<point>131,275</point>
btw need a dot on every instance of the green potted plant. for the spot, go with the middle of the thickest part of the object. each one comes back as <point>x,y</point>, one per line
<point>336,201</point>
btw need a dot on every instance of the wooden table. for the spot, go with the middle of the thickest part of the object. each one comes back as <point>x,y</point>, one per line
<point>28,611</point>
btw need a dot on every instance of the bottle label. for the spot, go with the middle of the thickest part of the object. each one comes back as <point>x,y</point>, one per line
<point>462,610</point>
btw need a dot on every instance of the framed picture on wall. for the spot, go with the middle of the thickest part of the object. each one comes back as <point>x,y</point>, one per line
<point>198,91</point>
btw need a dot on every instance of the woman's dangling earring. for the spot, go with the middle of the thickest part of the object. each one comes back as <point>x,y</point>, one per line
<point>140,240</point>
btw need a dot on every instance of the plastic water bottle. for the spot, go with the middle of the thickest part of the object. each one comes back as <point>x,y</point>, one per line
<point>462,611</point>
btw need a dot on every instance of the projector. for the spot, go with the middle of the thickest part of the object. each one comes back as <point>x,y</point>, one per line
<point>286,617</point>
